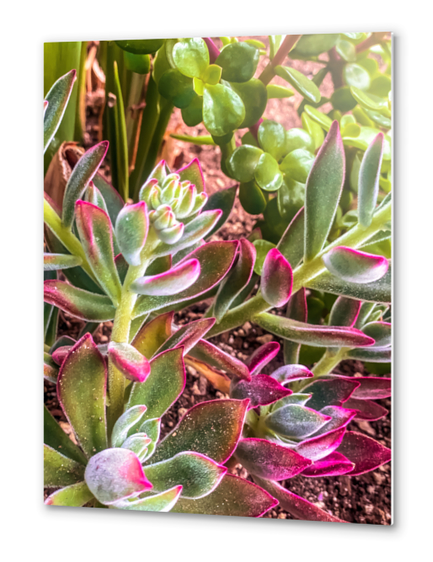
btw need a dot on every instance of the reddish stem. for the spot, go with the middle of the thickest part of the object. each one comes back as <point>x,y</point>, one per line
<point>285,47</point>
<point>374,39</point>
<point>213,49</point>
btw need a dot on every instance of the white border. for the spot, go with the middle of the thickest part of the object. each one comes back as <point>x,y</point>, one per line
<point>32,530</point>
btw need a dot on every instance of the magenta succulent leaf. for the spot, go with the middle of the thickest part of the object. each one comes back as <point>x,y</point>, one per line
<point>216,357</point>
<point>290,373</point>
<point>355,266</point>
<point>95,231</point>
<point>262,356</point>
<point>234,496</point>
<point>81,390</point>
<point>295,505</point>
<point>188,335</point>
<point>197,474</point>
<point>153,334</point>
<point>193,173</point>
<point>163,386</point>
<point>366,409</point>
<point>277,279</point>
<point>131,229</point>
<point>77,302</point>
<point>295,421</point>
<point>59,354</point>
<point>115,474</point>
<point>366,453</point>
<point>374,355</point>
<point>369,388</point>
<point>131,363</point>
<point>334,464</point>
<point>236,280</point>
<point>331,392</point>
<point>312,334</point>
<point>269,460</point>
<point>262,390</point>
<point>380,332</point>
<point>319,447</point>
<point>171,282</point>
<point>345,312</point>
<point>215,259</point>
<point>340,418</point>
<point>201,430</point>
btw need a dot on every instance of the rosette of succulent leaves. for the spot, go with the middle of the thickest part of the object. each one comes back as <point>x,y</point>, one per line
<point>136,264</point>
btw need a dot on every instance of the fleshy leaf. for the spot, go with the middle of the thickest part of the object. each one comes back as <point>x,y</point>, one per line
<point>188,335</point>
<point>380,332</point>
<point>53,262</point>
<point>307,88</point>
<point>224,200</point>
<point>75,495</point>
<point>223,110</point>
<point>178,278</point>
<point>83,172</point>
<point>191,56</point>
<point>330,392</point>
<point>262,390</point>
<point>290,373</point>
<point>366,453</point>
<point>115,474</point>
<point>333,465</point>
<point>215,357</point>
<point>262,356</point>
<point>215,260</point>
<point>312,334</point>
<point>162,503</point>
<point>369,388</point>
<point>81,390</point>
<point>234,496</point>
<point>201,430</point>
<point>355,266</point>
<point>368,182</point>
<point>138,444</point>
<point>366,409</point>
<point>236,280</point>
<point>323,191</point>
<point>377,291</point>
<point>60,470</point>
<point>375,355</point>
<point>163,386</point>
<point>131,363</point>
<point>345,312</point>
<point>319,447</point>
<point>131,229</point>
<point>125,423</point>
<point>296,310</point>
<point>197,474</point>
<point>57,100</point>
<point>56,438</point>
<point>296,421</point>
<point>50,368</point>
<point>152,428</point>
<point>153,334</point>
<point>192,172</point>
<point>291,244</point>
<point>95,231</point>
<point>277,279</point>
<point>295,505</point>
<point>269,460</point>
<point>340,418</point>
<point>77,302</point>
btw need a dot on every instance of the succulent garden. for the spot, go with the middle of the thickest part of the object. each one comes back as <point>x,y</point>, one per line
<point>217,276</point>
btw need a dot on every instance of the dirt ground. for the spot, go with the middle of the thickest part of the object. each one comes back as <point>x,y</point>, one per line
<point>359,499</point>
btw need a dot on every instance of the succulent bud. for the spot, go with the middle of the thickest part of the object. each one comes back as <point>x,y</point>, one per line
<point>172,234</point>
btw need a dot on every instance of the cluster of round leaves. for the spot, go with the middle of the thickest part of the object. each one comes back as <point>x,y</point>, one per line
<point>224,95</point>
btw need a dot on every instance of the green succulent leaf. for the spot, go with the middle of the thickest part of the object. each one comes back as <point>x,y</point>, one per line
<point>254,97</point>
<point>224,200</point>
<point>54,262</point>
<point>57,99</point>
<point>297,164</point>
<point>278,92</point>
<point>84,171</point>
<point>243,162</point>
<point>223,110</point>
<point>201,431</point>
<point>191,56</point>
<point>291,243</point>
<point>295,421</point>
<point>153,334</point>
<point>162,503</point>
<point>81,389</point>
<point>197,474</point>
<point>60,470</point>
<point>267,173</point>
<point>252,198</point>
<point>125,423</point>
<point>313,45</point>
<point>323,191</point>
<point>304,86</point>
<point>141,46</point>
<point>368,182</point>
<point>75,495</point>
<point>239,62</point>
<point>356,76</point>
<point>177,88</point>
<point>131,229</point>
<point>355,266</point>
<point>56,438</point>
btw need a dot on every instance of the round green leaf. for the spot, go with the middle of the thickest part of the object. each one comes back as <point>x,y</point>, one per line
<point>298,138</point>
<point>192,115</point>
<point>307,88</point>
<point>141,47</point>
<point>137,63</point>
<point>177,88</point>
<point>297,164</point>
<point>223,110</point>
<point>272,137</point>
<point>343,100</point>
<point>267,173</point>
<point>355,75</point>
<point>254,97</point>
<point>252,198</point>
<point>243,162</point>
<point>238,61</point>
<point>191,56</point>
<point>346,50</point>
<point>313,45</point>
<point>380,86</point>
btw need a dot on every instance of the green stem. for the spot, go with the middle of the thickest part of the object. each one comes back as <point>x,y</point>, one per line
<point>121,327</point>
<point>71,243</point>
<point>304,273</point>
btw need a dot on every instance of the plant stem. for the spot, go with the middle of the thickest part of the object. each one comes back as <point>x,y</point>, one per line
<point>121,327</point>
<point>285,47</point>
<point>323,367</point>
<point>303,273</point>
<point>212,48</point>
<point>66,237</point>
<point>374,39</point>
<point>158,135</point>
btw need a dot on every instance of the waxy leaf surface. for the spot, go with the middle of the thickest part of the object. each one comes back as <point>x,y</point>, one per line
<point>131,229</point>
<point>262,356</point>
<point>162,503</point>
<point>177,279</point>
<point>296,421</point>
<point>57,100</point>
<point>366,453</point>
<point>131,363</point>
<point>368,182</point>
<point>153,334</point>
<point>355,266</point>
<point>60,470</point>
<point>277,279</point>
<point>262,390</point>
<point>75,495</point>
<point>188,335</point>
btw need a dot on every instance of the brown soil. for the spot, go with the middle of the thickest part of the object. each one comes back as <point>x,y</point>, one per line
<point>359,499</point>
